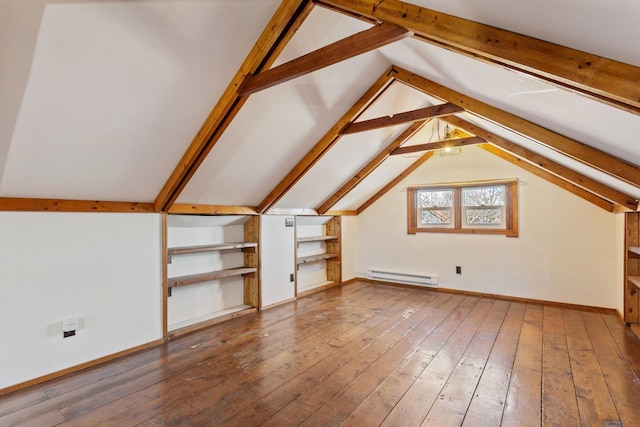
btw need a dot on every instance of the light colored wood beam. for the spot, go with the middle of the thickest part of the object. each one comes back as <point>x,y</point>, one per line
<point>341,213</point>
<point>274,38</point>
<point>349,47</point>
<point>62,205</point>
<point>567,146</point>
<point>421,160</point>
<point>607,80</point>
<point>449,143</point>
<point>400,118</point>
<point>625,201</point>
<point>548,176</point>
<point>327,141</point>
<point>370,167</point>
<point>183,208</point>
<point>293,211</point>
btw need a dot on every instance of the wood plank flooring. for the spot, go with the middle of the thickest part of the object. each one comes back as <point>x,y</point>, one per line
<point>363,355</point>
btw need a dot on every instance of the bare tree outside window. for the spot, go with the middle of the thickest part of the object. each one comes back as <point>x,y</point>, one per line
<point>484,205</point>
<point>435,206</point>
<point>488,207</point>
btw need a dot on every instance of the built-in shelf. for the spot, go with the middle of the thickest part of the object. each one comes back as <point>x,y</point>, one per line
<point>315,258</point>
<point>315,239</point>
<point>634,249</point>
<point>209,248</point>
<point>210,275</point>
<point>635,280</point>
<point>196,323</point>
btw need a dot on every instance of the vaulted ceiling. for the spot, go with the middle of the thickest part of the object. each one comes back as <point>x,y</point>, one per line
<point>151,105</point>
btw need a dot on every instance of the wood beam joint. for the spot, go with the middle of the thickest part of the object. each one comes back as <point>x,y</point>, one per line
<point>339,51</point>
<point>401,118</point>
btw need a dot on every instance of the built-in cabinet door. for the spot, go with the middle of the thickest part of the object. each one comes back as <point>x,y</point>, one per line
<point>277,259</point>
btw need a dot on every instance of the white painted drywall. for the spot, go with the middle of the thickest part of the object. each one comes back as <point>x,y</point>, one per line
<point>567,250</point>
<point>349,228</point>
<point>103,268</point>
<point>206,300</point>
<point>277,259</point>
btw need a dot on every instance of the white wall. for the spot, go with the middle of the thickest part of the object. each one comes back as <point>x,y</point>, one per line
<point>567,250</point>
<point>205,300</point>
<point>349,226</point>
<point>103,268</point>
<point>277,259</point>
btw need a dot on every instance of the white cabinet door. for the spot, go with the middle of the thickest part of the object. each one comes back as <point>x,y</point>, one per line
<point>277,247</point>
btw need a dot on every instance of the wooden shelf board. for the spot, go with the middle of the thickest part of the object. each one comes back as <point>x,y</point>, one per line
<point>209,248</point>
<point>210,275</point>
<point>315,239</point>
<point>635,280</point>
<point>315,258</point>
<point>189,325</point>
<point>316,287</point>
<point>634,249</point>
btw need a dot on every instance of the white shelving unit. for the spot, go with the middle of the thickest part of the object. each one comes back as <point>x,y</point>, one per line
<point>212,269</point>
<point>318,253</point>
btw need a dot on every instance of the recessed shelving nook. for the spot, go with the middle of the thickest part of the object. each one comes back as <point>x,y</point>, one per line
<point>212,269</point>
<point>632,268</point>
<point>318,253</point>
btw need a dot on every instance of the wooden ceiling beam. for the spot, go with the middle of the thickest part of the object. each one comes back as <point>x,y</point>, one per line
<point>327,141</point>
<point>283,25</point>
<point>415,165</point>
<point>576,150</point>
<point>401,118</point>
<point>370,167</point>
<point>344,49</point>
<point>609,81</point>
<point>449,143</point>
<point>183,208</point>
<point>19,204</point>
<point>604,191</point>
<point>548,176</point>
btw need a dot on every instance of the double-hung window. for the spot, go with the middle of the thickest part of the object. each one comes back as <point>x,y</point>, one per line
<point>488,207</point>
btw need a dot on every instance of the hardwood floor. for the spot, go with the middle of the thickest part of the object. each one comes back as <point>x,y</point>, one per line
<point>364,355</point>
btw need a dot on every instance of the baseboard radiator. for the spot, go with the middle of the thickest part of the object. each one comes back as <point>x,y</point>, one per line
<point>410,279</point>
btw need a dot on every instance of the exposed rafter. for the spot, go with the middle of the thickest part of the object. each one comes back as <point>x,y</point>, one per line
<point>449,143</point>
<point>400,118</point>
<point>63,205</point>
<point>370,167</point>
<point>578,151</point>
<point>405,173</point>
<point>560,172</point>
<point>327,141</point>
<point>548,176</point>
<point>349,47</point>
<point>278,32</point>
<point>610,81</point>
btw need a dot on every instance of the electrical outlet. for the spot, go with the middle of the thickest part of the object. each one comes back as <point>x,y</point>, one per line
<point>70,324</point>
<point>458,269</point>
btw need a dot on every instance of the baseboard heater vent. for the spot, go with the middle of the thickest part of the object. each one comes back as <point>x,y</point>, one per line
<point>411,279</point>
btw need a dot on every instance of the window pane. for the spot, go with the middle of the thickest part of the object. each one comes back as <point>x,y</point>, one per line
<point>484,196</point>
<point>435,216</point>
<point>484,216</point>
<point>435,198</point>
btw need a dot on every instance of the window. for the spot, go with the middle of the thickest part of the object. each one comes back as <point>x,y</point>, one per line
<point>488,207</point>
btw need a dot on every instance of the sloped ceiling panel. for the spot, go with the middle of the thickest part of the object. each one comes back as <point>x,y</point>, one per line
<point>354,151</point>
<point>116,92</point>
<point>603,28</point>
<point>391,168</point>
<point>278,126</point>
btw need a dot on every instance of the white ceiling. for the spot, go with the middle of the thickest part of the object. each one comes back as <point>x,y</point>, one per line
<point>100,99</point>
